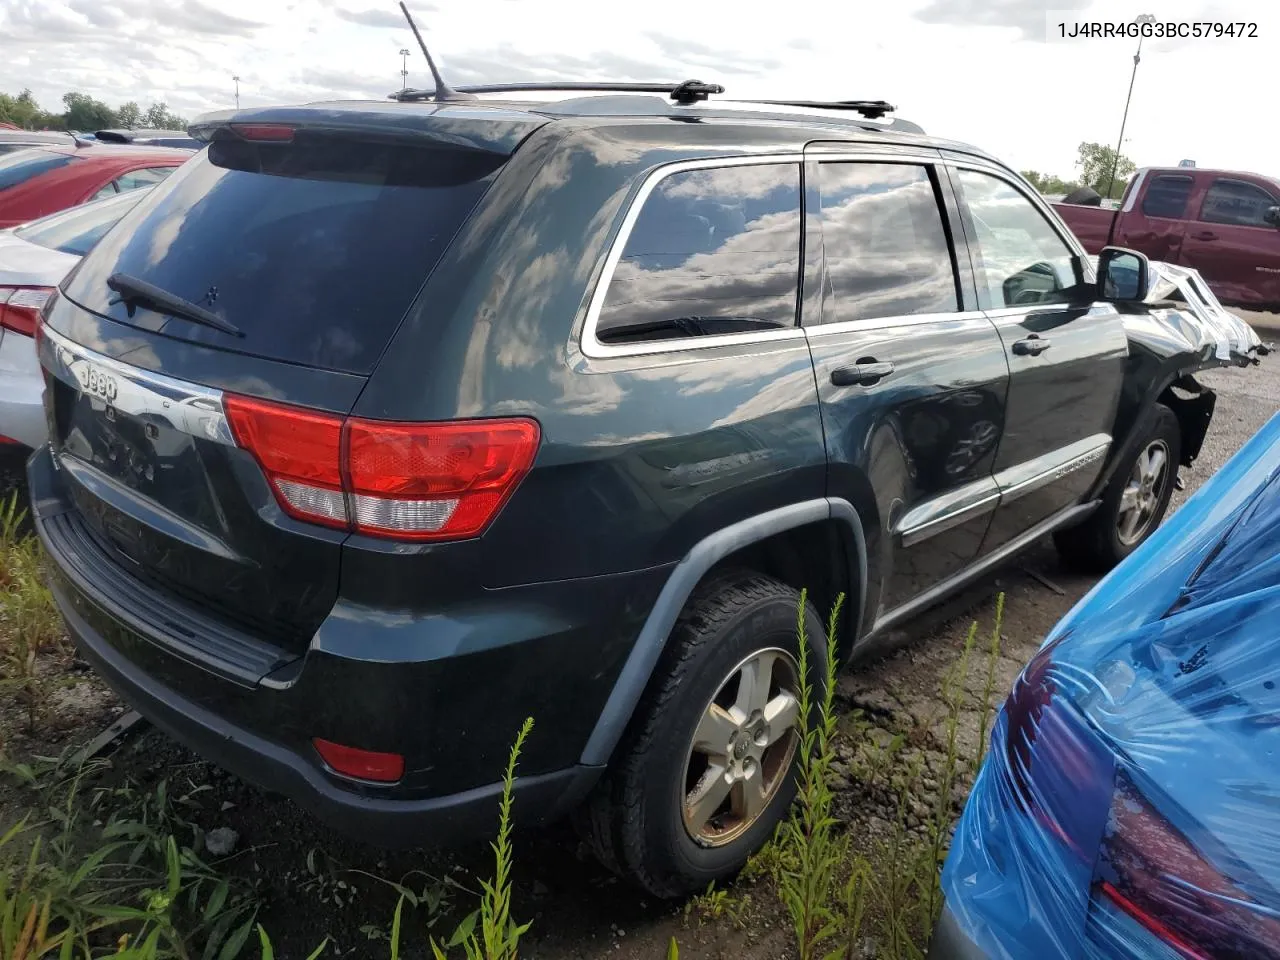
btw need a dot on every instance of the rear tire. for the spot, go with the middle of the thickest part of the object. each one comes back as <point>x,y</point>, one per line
<point>1134,502</point>
<point>654,818</point>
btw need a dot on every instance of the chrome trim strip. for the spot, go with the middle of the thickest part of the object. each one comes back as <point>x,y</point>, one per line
<point>186,407</point>
<point>592,347</point>
<point>948,510</point>
<point>1030,475</point>
<point>879,323</point>
<point>1068,515</point>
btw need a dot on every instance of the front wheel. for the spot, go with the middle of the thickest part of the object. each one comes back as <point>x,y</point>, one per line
<point>1134,502</point>
<point>706,773</point>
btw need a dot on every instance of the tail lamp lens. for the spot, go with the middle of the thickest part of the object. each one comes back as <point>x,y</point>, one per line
<point>406,481</point>
<point>1150,871</point>
<point>1061,774</point>
<point>20,308</point>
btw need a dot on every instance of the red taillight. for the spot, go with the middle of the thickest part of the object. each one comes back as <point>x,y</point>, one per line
<point>435,480</point>
<point>405,481</point>
<point>360,764</point>
<point>20,308</point>
<point>1152,872</point>
<point>270,132</point>
<point>300,450</point>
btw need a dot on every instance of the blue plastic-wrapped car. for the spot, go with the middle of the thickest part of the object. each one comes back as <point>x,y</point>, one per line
<point>1130,804</point>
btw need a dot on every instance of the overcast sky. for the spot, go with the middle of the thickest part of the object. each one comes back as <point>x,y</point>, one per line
<point>975,70</point>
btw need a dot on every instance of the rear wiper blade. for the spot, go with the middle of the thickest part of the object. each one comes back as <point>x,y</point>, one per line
<point>692,326</point>
<point>133,290</point>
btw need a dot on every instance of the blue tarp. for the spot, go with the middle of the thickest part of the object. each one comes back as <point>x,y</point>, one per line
<point>1130,803</point>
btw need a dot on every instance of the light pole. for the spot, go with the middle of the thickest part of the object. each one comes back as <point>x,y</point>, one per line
<point>1137,58</point>
<point>237,80</point>
<point>404,69</point>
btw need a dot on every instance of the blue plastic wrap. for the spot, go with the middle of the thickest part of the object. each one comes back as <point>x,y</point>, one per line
<point>1130,803</point>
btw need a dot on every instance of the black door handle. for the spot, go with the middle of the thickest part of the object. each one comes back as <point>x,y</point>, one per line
<point>864,373</point>
<point>1204,235</point>
<point>1032,346</point>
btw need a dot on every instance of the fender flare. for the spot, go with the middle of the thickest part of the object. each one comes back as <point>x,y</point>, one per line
<point>652,638</point>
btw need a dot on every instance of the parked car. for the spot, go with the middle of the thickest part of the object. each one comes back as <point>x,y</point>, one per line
<point>43,180</point>
<point>15,139</point>
<point>381,427</point>
<point>1224,224</point>
<point>153,138</point>
<point>34,259</point>
<point>1126,809</point>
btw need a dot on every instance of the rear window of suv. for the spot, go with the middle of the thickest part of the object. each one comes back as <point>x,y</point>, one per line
<point>313,249</point>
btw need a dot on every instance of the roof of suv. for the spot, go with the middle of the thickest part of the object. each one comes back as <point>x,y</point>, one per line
<point>499,122</point>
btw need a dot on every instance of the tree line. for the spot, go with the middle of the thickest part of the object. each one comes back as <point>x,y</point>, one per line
<point>1096,163</point>
<point>83,113</point>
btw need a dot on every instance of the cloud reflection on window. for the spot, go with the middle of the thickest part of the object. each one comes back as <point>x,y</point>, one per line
<point>886,251</point>
<point>721,243</point>
<point>1020,258</point>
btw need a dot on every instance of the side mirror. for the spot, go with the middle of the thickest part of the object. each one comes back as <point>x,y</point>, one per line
<point>1272,216</point>
<point>1123,275</point>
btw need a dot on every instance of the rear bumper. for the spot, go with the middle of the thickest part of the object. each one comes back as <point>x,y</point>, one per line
<point>385,821</point>
<point>21,390</point>
<point>383,691</point>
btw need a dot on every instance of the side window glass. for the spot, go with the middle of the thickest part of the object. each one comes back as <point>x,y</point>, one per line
<point>1020,258</point>
<point>885,247</point>
<point>142,178</point>
<point>108,190</point>
<point>713,251</point>
<point>1167,197</point>
<point>1238,203</point>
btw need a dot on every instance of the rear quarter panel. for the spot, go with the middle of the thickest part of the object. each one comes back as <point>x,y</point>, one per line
<point>642,456</point>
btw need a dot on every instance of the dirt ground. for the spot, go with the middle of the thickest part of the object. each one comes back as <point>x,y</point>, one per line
<point>579,912</point>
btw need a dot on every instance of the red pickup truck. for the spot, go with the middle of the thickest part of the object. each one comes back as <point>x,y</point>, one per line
<point>1225,225</point>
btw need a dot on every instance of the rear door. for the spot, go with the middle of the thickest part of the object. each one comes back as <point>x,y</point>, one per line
<point>1065,354</point>
<point>1233,245</point>
<point>911,376</point>
<point>313,252</point>
<point>1157,220</point>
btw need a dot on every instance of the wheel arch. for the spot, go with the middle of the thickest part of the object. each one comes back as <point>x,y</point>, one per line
<point>775,534</point>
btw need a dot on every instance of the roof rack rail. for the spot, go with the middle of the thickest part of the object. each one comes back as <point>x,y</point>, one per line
<point>690,91</point>
<point>871,109</point>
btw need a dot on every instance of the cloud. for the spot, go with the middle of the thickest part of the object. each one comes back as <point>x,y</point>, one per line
<point>718,59</point>
<point>509,64</point>
<point>197,17</point>
<point>1027,15</point>
<point>375,17</point>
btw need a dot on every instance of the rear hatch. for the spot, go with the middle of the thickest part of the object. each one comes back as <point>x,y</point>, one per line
<point>294,245</point>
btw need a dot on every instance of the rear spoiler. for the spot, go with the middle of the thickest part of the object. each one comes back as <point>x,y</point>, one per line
<point>471,127</point>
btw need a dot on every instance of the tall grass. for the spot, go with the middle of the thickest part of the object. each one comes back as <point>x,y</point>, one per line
<point>29,623</point>
<point>841,900</point>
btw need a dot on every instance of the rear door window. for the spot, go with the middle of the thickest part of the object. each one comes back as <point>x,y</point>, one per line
<point>1237,203</point>
<point>712,251</point>
<point>313,249</point>
<point>22,165</point>
<point>883,240</point>
<point>1167,197</point>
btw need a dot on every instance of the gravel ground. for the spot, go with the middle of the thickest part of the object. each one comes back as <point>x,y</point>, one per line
<point>580,912</point>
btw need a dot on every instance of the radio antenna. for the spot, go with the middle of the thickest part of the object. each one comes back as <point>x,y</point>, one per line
<point>443,91</point>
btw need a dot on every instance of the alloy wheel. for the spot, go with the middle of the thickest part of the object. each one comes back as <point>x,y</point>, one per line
<point>1141,497</point>
<point>742,748</point>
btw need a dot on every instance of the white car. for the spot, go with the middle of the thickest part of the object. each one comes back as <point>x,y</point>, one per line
<point>33,260</point>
